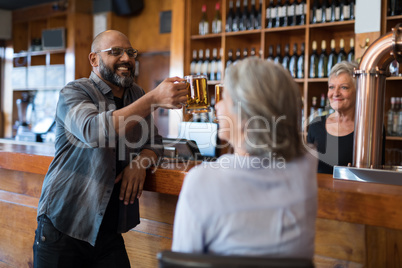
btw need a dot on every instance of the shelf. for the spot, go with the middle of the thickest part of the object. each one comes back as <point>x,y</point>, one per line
<point>287,28</point>
<point>248,32</point>
<point>38,53</point>
<point>206,36</point>
<point>213,82</point>
<point>317,80</point>
<point>38,88</point>
<point>390,18</point>
<point>394,138</point>
<point>395,78</point>
<point>340,25</point>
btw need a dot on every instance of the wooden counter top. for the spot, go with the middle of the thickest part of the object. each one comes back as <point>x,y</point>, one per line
<point>349,201</point>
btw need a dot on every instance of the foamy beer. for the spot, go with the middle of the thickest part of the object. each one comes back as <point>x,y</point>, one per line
<point>197,94</point>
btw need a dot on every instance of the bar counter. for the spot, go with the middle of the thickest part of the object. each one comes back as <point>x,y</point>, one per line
<point>358,224</point>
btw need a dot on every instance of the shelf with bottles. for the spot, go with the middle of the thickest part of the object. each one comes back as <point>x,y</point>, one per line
<point>326,11</point>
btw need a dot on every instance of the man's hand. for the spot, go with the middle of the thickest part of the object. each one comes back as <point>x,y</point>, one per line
<point>133,176</point>
<point>171,93</point>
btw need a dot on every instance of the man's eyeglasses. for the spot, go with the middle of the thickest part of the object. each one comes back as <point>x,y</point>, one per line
<point>119,51</point>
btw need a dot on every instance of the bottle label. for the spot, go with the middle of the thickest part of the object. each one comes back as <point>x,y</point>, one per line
<point>269,13</point>
<point>318,14</point>
<point>337,13</point>
<point>346,12</point>
<point>299,9</point>
<point>328,13</point>
<point>273,12</point>
<point>291,10</point>
<point>282,11</point>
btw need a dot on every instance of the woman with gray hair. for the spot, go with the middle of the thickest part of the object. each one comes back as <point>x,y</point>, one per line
<point>262,199</point>
<point>333,134</point>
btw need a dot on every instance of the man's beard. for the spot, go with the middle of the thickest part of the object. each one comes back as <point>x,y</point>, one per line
<point>111,76</point>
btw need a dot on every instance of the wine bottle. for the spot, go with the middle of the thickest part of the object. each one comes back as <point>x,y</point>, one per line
<point>284,15</point>
<point>337,10</point>
<point>286,58</point>
<point>303,11</point>
<point>259,16</point>
<point>399,132</point>
<point>270,53</point>
<point>245,17</point>
<point>270,14</point>
<point>253,17</point>
<point>314,61</point>
<point>206,68</point>
<point>345,13</point>
<point>278,56</point>
<point>395,118</point>
<point>293,62</point>
<point>275,15</point>
<point>217,21</point>
<point>351,54</point>
<point>219,65</point>
<point>342,54</point>
<point>352,9</point>
<point>229,18</point>
<point>193,63</point>
<point>324,11</point>
<point>313,109</point>
<point>292,13</point>
<point>300,63</point>
<point>394,68</point>
<point>200,62</point>
<point>316,12</point>
<point>323,61</point>
<point>230,58</point>
<point>238,56</point>
<point>213,64</point>
<point>237,18</point>
<point>390,118</point>
<point>252,53</point>
<point>334,10</point>
<point>245,53</point>
<point>203,25</point>
<point>279,19</point>
<point>332,57</point>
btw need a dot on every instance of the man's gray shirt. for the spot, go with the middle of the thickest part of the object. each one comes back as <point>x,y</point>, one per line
<point>78,185</point>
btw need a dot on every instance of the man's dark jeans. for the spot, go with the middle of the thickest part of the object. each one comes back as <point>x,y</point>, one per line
<point>54,249</point>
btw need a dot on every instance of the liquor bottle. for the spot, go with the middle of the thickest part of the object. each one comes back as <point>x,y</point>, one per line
<point>313,109</point>
<point>270,14</point>
<point>237,18</point>
<point>300,63</point>
<point>259,16</point>
<point>230,58</point>
<point>206,69</point>
<point>245,17</point>
<point>342,54</point>
<point>245,53</point>
<point>345,12</point>
<point>217,21</point>
<point>395,120</point>
<point>238,56</point>
<point>300,13</point>
<point>278,56</point>
<point>286,58</point>
<point>323,61</point>
<point>203,25</point>
<point>293,62</point>
<point>253,17</point>
<point>284,15</point>
<point>324,11</point>
<point>200,62</point>
<point>394,7</point>
<point>213,64</point>
<point>351,54</point>
<point>229,18</point>
<point>314,61</point>
<point>193,63</point>
<point>316,12</point>
<point>390,118</point>
<point>332,57</point>
<point>352,9</point>
<point>270,53</point>
<point>292,13</point>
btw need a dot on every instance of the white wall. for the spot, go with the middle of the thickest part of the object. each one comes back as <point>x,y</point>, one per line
<point>368,16</point>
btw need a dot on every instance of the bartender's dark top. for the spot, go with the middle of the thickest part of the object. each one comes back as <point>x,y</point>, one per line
<point>332,150</point>
<point>80,180</point>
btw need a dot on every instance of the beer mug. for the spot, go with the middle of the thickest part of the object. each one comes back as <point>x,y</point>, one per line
<point>197,94</point>
<point>218,97</point>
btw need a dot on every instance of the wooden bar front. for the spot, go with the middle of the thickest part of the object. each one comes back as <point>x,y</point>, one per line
<point>358,224</point>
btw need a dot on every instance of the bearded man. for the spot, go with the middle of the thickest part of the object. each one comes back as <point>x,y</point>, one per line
<point>105,141</point>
